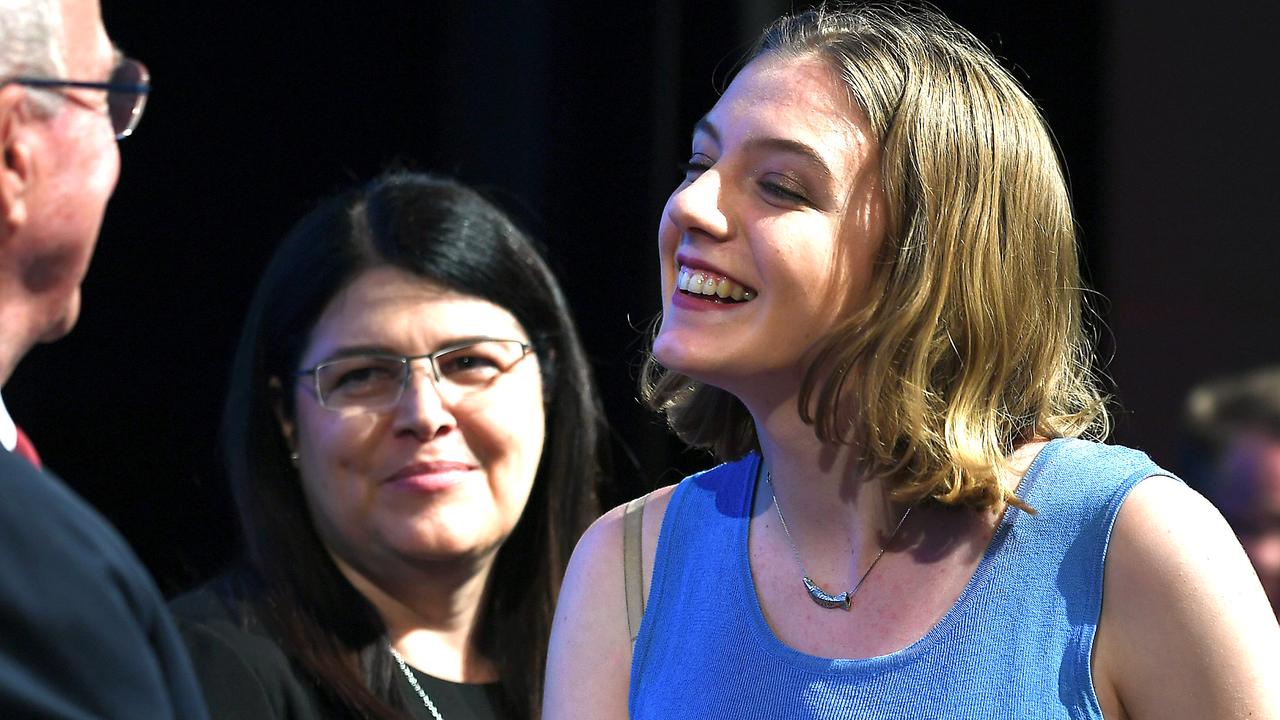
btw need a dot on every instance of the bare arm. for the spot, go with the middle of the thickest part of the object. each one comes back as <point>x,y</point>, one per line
<point>1186,630</point>
<point>589,659</point>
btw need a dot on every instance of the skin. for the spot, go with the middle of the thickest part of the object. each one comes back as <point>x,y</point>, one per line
<point>421,549</point>
<point>57,176</point>
<point>1166,648</point>
<point>771,217</point>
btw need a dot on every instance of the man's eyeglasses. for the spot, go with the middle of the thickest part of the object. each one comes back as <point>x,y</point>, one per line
<point>376,381</point>
<point>127,90</point>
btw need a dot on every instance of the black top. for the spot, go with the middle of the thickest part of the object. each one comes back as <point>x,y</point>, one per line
<point>453,700</point>
<point>246,674</point>
<point>83,630</point>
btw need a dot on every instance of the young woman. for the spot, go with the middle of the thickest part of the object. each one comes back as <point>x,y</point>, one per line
<point>412,439</point>
<point>872,313</point>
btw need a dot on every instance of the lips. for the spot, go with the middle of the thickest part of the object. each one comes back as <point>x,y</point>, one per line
<point>431,475</point>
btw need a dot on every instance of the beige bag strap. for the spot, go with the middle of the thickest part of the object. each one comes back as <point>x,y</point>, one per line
<point>632,569</point>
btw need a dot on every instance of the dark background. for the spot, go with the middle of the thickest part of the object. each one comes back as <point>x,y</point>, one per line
<point>573,116</point>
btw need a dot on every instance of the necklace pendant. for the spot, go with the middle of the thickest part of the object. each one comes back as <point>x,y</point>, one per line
<point>820,596</point>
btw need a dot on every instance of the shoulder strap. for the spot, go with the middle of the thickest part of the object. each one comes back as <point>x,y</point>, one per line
<point>632,570</point>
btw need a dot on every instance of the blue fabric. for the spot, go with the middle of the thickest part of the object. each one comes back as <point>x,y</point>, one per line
<point>1016,644</point>
<point>84,632</point>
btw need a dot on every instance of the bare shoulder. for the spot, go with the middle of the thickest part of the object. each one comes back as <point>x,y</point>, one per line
<point>599,551</point>
<point>1186,630</point>
<point>589,659</point>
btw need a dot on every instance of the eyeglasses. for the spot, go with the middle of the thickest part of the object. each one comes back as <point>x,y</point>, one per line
<point>127,90</point>
<point>375,381</point>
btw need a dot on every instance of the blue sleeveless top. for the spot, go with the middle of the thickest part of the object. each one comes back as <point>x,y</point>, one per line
<point>1016,644</point>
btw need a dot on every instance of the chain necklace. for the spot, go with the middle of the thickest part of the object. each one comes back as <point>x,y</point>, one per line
<point>816,593</point>
<point>414,682</point>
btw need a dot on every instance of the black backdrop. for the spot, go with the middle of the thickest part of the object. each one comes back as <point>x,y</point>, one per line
<point>571,115</point>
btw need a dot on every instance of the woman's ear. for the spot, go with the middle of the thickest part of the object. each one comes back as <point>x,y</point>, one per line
<point>276,391</point>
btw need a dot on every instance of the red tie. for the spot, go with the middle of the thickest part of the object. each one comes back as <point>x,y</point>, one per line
<point>25,449</point>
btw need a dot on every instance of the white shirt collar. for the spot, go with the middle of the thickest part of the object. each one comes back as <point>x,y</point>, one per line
<point>8,431</point>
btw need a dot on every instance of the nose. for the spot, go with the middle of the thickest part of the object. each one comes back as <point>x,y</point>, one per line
<point>698,207</point>
<point>423,410</point>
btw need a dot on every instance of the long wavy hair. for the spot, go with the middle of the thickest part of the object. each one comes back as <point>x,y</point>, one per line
<point>446,234</point>
<point>971,339</point>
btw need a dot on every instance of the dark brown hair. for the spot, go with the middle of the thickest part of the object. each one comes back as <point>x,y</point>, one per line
<point>447,234</point>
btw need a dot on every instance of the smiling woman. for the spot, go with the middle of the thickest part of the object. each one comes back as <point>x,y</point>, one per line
<point>412,439</point>
<point>872,314</point>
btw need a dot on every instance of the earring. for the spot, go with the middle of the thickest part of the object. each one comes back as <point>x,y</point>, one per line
<point>293,458</point>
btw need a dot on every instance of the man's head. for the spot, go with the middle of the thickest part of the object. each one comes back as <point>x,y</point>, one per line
<point>1240,418</point>
<point>59,166</point>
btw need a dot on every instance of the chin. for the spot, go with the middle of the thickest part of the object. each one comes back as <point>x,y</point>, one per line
<point>671,353</point>
<point>62,324</point>
<point>689,359</point>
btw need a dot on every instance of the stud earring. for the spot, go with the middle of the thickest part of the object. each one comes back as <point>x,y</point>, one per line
<point>293,458</point>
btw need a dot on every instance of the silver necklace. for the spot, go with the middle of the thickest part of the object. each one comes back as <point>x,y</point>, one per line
<point>816,593</point>
<point>414,682</point>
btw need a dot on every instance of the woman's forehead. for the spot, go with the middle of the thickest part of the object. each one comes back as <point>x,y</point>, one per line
<point>790,98</point>
<point>389,304</point>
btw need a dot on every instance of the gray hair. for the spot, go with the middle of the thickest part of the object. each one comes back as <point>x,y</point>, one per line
<point>31,44</point>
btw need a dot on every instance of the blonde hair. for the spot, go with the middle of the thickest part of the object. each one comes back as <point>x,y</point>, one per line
<point>971,339</point>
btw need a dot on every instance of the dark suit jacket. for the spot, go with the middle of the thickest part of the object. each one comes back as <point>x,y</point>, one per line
<point>84,633</point>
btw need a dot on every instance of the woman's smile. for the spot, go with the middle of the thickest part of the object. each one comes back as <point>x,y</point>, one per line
<point>433,475</point>
<point>750,241</point>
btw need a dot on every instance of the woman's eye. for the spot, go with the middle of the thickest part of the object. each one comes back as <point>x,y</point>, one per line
<point>358,378</point>
<point>694,166</point>
<point>468,367</point>
<point>785,189</point>
<point>366,375</point>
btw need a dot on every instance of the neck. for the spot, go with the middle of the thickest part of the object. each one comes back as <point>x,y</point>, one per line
<point>820,479</point>
<point>20,315</point>
<point>432,615</point>
<point>826,493</point>
<point>834,509</point>
<point>15,341</point>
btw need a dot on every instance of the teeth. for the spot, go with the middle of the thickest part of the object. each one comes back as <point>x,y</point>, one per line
<point>702,283</point>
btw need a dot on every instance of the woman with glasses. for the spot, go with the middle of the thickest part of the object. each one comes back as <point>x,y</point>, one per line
<point>412,437</point>
<point>872,314</point>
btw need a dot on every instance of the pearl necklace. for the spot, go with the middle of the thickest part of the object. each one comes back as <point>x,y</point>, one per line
<point>845,599</point>
<point>414,682</point>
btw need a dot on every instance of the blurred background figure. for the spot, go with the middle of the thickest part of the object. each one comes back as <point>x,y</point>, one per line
<point>1238,421</point>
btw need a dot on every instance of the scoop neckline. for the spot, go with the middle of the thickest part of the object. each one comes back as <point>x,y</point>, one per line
<point>770,643</point>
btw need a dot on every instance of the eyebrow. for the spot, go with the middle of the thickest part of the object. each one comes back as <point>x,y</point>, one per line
<point>786,145</point>
<point>705,126</point>
<point>348,351</point>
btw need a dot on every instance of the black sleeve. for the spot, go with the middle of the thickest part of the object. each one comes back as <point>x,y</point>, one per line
<point>84,632</point>
<point>244,672</point>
